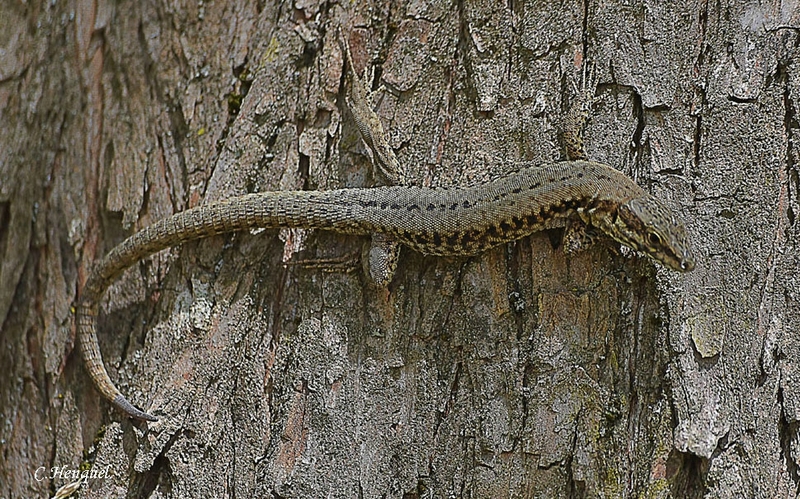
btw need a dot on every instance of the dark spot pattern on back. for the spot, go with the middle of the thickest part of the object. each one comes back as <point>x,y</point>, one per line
<point>467,238</point>
<point>559,208</point>
<point>533,220</point>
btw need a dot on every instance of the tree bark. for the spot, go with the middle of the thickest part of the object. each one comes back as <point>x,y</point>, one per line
<point>527,371</point>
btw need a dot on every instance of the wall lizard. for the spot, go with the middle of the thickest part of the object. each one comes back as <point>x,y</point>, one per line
<point>454,221</point>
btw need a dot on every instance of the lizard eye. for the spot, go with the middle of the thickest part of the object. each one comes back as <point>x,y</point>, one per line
<point>654,239</point>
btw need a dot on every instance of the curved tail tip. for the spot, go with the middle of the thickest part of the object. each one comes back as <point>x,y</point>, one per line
<point>121,403</point>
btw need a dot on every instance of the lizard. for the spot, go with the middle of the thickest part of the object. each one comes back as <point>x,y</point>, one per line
<point>433,221</point>
<point>384,252</point>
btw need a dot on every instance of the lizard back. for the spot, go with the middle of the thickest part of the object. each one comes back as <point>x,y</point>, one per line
<point>457,221</point>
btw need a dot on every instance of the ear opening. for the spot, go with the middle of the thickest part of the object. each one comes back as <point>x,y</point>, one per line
<point>625,212</point>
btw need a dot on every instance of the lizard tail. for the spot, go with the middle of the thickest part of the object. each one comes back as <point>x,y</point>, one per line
<point>87,310</point>
<point>182,227</point>
<point>273,209</point>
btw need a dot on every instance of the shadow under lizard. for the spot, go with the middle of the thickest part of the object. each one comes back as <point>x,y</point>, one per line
<point>454,221</point>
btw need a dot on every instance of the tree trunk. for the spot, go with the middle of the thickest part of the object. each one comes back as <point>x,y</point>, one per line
<point>527,371</point>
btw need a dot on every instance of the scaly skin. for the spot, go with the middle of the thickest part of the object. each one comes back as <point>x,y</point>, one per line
<point>456,221</point>
<point>460,221</point>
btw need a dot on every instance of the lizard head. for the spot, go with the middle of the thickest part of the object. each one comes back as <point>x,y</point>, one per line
<point>644,224</point>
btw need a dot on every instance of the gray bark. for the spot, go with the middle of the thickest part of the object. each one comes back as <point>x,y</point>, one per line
<point>524,372</point>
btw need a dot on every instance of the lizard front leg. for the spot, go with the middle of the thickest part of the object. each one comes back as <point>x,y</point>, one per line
<point>579,113</point>
<point>578,235</point>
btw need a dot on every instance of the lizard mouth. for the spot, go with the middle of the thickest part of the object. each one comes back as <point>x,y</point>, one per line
<point>681,263</point>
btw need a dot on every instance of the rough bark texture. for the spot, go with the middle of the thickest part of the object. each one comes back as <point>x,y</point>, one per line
<point>525,372</point>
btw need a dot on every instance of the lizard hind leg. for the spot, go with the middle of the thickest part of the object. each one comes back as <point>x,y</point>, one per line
<point>382,256</point>
<point>381,260</point>
<point>359,101</point>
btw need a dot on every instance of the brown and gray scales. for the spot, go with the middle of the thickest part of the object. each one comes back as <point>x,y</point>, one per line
<point>457,221</point>
<point>432,221</point>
